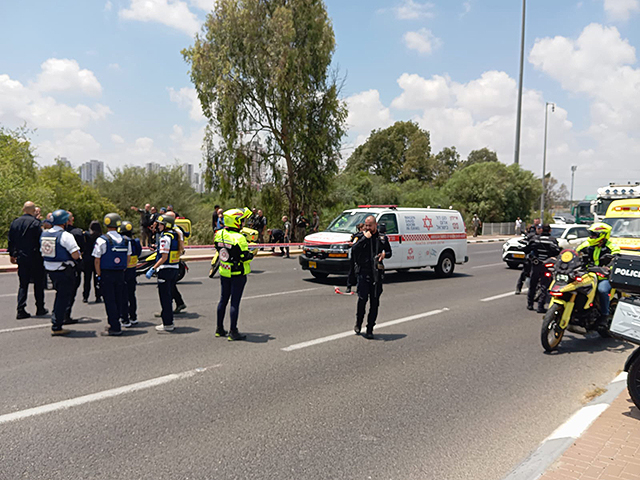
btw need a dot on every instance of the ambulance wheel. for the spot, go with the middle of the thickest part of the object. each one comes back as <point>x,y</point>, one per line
<point>319,275</point>
<point>446,265</point>
<point>182,271</point>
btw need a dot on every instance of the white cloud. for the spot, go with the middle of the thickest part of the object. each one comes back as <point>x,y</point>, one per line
<point>366,112</point>
<point>187,98</point>
<point>187,147</point>
<point>411,10</point>
<point>27,104</point>
<point>419,93</point>
<point>621,9</point>
<point>206,5</point>
<point>117,139</point>
<point>78,146</point>
<point>423,41</point>
<point>65,75</point>
<point>173,13</point>
<point>108,6</point>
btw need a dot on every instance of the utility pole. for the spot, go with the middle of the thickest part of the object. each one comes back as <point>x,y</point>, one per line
<point>516,157</point>
<point>544,157</point>
<point>573,174</point>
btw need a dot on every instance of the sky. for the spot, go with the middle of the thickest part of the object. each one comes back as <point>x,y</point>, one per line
<point>104,79</point>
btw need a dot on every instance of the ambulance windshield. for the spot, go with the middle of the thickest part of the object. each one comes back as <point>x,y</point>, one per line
<point>624,227</point>
<point>347,222</point>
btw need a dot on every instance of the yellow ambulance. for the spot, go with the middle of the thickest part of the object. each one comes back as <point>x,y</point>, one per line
<point>624,218</point>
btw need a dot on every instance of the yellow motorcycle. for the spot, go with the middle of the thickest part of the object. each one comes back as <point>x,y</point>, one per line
<point>252,237</point>
<point>574,302</point>
<point>148,260</point>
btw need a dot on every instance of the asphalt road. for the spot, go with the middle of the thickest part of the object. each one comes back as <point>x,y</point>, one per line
<point>465,392</point>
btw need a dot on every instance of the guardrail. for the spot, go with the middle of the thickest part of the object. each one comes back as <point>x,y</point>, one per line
<point>504,228</point>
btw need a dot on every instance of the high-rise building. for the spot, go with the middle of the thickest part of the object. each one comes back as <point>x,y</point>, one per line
<point>152,167</point>
<point>64,161</point>
<point>187,168</point>
<point>90,170</point>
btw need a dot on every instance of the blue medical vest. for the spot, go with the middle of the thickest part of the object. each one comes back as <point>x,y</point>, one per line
<point>115,258</point>
<point>51,248</point>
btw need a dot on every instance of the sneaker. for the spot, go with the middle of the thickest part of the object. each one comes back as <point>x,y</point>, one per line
<point>107,332</point>
<point>22,314</point>
<point>221,332</point>
<point>70,321</point>
<point>357,329</point>
<point>125,323</point>
<point>180,308</point>
<point>60,332</point>
<point>133,321</point>
<point>165,328</point>
<point>235,335</point>
<point>42,312</point>
<point>368,335</point>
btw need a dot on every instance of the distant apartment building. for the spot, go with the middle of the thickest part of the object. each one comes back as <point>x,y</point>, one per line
<point>64,161</point>
<point>152,167</point>
<point>90,170</point>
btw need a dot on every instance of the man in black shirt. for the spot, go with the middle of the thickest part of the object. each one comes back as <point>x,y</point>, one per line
<point>369,250</point>
<point>24,250</point>
<point>540,248</point>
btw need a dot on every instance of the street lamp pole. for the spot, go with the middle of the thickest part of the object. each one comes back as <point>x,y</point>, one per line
<point>544,157</point>
<point>573,173</point>
<point>516,157</point>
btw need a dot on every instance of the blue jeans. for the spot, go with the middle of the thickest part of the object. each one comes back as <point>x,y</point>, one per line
<point>604,288</point>
<point>230,288</point>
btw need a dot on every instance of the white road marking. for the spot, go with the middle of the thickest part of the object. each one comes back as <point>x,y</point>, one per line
<point>30,327</point>
<point>350,333</point>
<point>502,295</point>
<point>281,293</point>
<point>94,397</point>
<point>495,250</point>
<point>489,265</point>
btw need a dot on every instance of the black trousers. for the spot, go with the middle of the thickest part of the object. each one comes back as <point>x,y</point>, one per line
<point>63,285</point>
<point>89,272</point>
<point>538,279</point>
<point>76,285</point>
<point>130,304</point>
<point>167,278</point>
<point>175,293</point>
<point>112,286</point>
<point>368,292</point>
<point>30,272</point>
<point>230,288</point>
<point>526,271</point>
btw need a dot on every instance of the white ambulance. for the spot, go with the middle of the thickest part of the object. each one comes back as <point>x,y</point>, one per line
<point>419,238</point>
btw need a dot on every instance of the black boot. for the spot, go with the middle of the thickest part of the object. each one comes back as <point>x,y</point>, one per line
<point>369,334</point>
<point>221,332</point>
<point>235,335</point>
<point>22,314</point>
<point>358,327</point>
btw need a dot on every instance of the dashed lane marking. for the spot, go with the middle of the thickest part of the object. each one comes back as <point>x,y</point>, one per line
<point>502,295</point>
<point>30,327</point>
<point>338,336</point>
<point>94,397</point>
<point>489,265</point>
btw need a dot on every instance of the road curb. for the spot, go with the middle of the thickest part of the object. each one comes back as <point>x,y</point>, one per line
<point>556,444</point>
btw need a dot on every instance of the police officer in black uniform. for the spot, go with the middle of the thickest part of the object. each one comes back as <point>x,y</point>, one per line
<point>79,237</point>
<point>535,229</point>
<point>369,250</point>
<point>541,247</point>
<point>24,250</point>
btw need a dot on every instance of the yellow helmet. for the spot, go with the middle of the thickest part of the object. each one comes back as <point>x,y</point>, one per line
<point>233,218</point>
<point>599,232</point>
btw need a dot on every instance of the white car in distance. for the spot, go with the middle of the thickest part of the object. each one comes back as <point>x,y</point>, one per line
<point>568,236</point>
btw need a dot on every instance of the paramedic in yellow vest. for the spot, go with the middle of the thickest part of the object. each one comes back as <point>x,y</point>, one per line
<point>167,267</point>
<point>593,249</point>
<point>235,260</point>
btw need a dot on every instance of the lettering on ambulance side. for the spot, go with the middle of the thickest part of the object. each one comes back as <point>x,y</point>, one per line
<point>410,224</point>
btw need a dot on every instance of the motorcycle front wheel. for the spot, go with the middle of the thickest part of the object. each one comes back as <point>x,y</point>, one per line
<point>633,382</point>
<point>551,333</point>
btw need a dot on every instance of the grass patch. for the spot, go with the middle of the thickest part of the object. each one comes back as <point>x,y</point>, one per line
<point>593,393</point>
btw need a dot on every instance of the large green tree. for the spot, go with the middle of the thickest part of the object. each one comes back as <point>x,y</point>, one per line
<point>400,152</point>
<point>261,71</point>
<point>482,155</point>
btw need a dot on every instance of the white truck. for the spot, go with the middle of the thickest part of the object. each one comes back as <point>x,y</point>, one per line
<point>609,193</point>
<point>419,238</point>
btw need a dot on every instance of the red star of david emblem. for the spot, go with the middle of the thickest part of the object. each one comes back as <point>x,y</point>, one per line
<point>427,223</point>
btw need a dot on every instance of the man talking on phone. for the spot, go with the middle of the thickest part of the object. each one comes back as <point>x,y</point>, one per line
<point>371,247</point>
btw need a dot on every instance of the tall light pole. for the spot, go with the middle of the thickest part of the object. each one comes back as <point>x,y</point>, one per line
<point>544,156</point>
<point>573,174</point>
<point>516,157</point>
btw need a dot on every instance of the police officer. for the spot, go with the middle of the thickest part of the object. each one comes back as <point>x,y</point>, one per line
<point>535,229</point>
<point>369,250</point>
<point>235,260</point>
<point>541,247</point>
<point>59,251</point>
<point>129,313</point>
<point>79,237</point>
<point>167,268</point>
<point>111,256</point>
<point>24,250</point>
<point>593,249</point>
